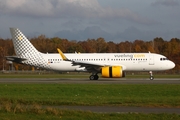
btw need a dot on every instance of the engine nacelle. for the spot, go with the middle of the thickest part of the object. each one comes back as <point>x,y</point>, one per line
<point>112,72</point>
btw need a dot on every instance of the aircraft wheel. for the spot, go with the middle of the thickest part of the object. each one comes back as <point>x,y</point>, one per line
<point>96,77</point>
<point>151,78</point>
<point>91,77</point>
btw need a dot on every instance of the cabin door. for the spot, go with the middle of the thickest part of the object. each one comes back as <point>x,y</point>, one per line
<point>151,59</point>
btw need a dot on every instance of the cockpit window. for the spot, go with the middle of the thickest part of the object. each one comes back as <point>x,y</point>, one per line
<point>162,59</point>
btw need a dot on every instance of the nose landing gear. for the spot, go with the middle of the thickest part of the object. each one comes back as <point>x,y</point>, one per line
<point>151,75</point>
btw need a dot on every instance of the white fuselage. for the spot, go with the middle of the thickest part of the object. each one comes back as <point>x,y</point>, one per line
<point>110,65</point>
<point>129,61</point>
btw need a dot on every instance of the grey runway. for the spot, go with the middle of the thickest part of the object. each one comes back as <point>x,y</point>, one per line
<point>87,81</point>
<point>102,109</point>
<point>121,109</point>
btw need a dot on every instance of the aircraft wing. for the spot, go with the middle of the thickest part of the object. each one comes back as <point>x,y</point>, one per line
<point>15,59</point>
<point>90,66</point>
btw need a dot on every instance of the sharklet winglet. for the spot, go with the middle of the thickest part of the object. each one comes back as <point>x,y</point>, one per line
<point>62,55</point>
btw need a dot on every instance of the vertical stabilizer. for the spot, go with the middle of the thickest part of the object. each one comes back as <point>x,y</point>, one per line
<point>24,49</point>
<point>22,45</point>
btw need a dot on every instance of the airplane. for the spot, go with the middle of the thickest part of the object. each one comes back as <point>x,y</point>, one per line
<point>110,65</point>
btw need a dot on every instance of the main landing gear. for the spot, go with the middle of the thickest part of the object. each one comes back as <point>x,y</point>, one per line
<point>94,77</point>
<point>151,75</point>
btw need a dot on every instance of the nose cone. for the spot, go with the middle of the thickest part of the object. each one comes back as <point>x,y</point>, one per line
<point>171,65</point>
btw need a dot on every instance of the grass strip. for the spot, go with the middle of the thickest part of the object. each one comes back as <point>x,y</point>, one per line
<point>160,95</point>
<point>21,112</point>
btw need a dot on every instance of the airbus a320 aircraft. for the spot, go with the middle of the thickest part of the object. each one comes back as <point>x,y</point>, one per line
<point>110,65</point>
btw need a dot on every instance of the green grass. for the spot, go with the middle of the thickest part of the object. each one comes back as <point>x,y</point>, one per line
<point>166,95</point>
<point>35,112</point>
<point>14,96</point>
<point>14,99</point>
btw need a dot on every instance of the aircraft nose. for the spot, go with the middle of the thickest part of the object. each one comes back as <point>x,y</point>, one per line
<point>171,65</point>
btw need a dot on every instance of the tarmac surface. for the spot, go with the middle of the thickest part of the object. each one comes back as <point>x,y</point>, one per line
<point>87,81</point>
<point>103,109</point>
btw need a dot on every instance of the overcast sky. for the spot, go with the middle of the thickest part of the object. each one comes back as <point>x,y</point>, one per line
<point>114,20</point>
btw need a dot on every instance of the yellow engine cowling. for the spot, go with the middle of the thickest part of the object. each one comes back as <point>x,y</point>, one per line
<point>112,72</point>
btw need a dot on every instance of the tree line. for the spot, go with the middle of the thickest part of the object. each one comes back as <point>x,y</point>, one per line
<point>171,48</point>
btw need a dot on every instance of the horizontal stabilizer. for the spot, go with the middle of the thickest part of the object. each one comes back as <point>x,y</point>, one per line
<point>15,59</point>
